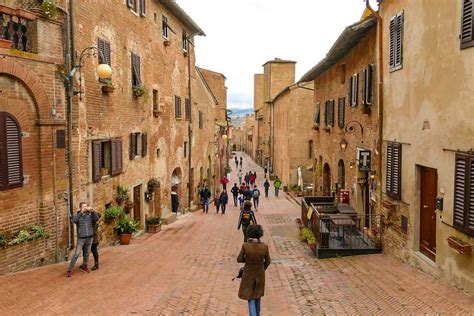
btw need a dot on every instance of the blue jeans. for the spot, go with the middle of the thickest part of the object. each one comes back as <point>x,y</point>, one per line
<point>254,307</point>
<point>206,205</point>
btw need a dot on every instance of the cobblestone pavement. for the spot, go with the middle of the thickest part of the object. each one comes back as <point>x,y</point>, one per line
<point>187,270</point>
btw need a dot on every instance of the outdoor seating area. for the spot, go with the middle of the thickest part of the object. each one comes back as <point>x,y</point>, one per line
<point>339,229</point>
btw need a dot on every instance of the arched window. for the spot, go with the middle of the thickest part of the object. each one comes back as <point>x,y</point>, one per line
<point>11,169</point>
<point>341,174</point>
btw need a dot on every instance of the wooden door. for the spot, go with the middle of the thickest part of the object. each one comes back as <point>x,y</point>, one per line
<point>137,203</point>
<point>326,180</point>
<point>428,189</point>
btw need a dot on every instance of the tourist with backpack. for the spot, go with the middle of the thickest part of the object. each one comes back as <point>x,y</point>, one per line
<point>277,185</point>
<point>246,218</point>
<point>235,193</point>
<point>255,196</point>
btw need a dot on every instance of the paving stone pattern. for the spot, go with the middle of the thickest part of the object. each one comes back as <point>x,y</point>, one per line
<point>187,269</point>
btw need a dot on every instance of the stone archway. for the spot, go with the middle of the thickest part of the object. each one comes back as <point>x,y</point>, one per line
<point>326,180</point>
<point>176,182</point>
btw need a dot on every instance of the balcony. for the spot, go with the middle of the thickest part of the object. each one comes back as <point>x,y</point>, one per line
<point>15,27</point>
<point>340,230</point>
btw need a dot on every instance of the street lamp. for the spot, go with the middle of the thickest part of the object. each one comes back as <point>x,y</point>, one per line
<point>343,144</point>
<point>351,130</point>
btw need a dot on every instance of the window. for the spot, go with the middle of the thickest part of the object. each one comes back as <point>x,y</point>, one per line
<point>341,175</point>
<point>138,145</point>
<point>11,167</point>
<point>142,7</point>
<point>156,104</point>
<point>463,217</point>
<point>185,149</point>
<point>136,81</point>
<point>343,73</point>
<point>106,158</point>
<point>354,90</point>
<point>187,108</point>
<point>396,42</point>
<point>317,115</point>
<point>185,41</point>
<point>329,117</point>
<point>177,107</point>
<point>60,139</point>
<point>341,109</point>
<point>467,24</point>
<point>104,51</point>
<point>201,120</point>
<point>394,167</point>
<point>132,4</point>
<point>367,95</point>
<point>164,27</point>
<point>310,149</point>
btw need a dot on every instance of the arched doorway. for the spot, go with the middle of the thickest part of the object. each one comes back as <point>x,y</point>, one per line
<point>176,184</point>
<point>326,180</point>
<point>341,175</point>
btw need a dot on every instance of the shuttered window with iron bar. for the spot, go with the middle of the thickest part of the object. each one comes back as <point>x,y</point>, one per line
<point>317,114</point>
<point>394,172</point>
<point>11,167</point>
<point>136,80</point>
<point>341,115</point>
<point>104,49</point>
<point>467,24</point>
<point>367,86</point>
<point>177,107</point>
<point>396,42</point>
<point>463,217</point>
<point>329,118</point>
<point>142,7</point>
<point>187,108</point>
<point>106,158</point>
<point>354,90</point>
<point>164,26</point>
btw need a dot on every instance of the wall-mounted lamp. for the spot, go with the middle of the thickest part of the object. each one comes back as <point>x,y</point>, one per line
<point>372,174</point>
<point>343,144</point>
<point>351,165</point>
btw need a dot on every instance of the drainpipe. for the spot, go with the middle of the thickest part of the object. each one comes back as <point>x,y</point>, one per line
<point>190,129</point>
<point>380,89</point>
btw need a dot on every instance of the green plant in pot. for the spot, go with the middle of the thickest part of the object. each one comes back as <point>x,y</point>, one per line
<point>3,240</point>
<point>153,184</point>
<point>126,227</point>
<point>153,224</point>
<point>107,86</point>
<point>122,194</point>
<point>49,9</point>
<point>112,213</point>
<point>140,91</point>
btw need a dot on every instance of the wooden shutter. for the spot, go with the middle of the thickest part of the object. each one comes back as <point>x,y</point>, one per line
<point>177,107</point>
<point>393,39</point>
<point>460,191</point>
<point>96,160</point>
<point>10,152</point>
<point>136,80</point>
<point>399,41</point>
<point>355,94</point>
<point>397,171</point>
<point>116,156</point>
<point>133,146</point>
<point>364,86</point>
<point>144,144</point>
<point>467,24</point>
<point>317,115</point>
<point>349,97</point>
<point>470,207</point>
<point>368,85</point>
<point>164,26</point>
<point>130,3</point>
<point>341,112</point>
<point>201,123</point>
<point>142,7</point>
<point>388,177</point>
<point>104,48</point>
<point>187,108</point>
<point>326,111</point>
<point>60,139</point>
<point>331,112</point>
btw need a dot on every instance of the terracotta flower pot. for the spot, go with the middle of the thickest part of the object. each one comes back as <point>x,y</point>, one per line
<point>5,43</point>
<point>153,229</point>
<point>107,89</point>
<point>312,246</point>
<point>125,238</point>
<point>459,245</point>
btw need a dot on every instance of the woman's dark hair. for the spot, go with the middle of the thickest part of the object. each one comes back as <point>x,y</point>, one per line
<point>255,231</point>
<point>248,206</point>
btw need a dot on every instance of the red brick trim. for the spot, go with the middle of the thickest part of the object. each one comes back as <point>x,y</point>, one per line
<point>31,81</point>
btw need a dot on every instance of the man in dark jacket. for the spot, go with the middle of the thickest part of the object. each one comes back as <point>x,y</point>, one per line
<point>84,220</point>
<point>235,193</point>
<point>205,196</point>
<point>95,243</point>
<point>246,218</point>
<point>266,185</point>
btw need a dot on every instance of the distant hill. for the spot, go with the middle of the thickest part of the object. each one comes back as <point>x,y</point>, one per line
<point>240,111</point>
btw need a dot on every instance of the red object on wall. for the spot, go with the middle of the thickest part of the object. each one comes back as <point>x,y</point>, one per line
<point>344,196</point>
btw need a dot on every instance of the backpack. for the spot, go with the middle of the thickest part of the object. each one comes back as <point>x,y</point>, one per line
<point>247,218</point>
<point>256,193</point>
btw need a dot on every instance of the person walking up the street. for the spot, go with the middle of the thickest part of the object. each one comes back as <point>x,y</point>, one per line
<point>241,160</point>
<point>241,201</point>
<point>235,193</point>
<point>205,196</point>
<point>266,186</point>
<point>256,197</point>
<point>224,199</point>
<point>217,201</point>
<point>246,218</point>
<point>247,178</point>
<point>84,220</point>
<point>277,185</point>
<point>265,170</point>
<point>239,175</point>
<point>224,182</point>
<point>252,179</point>
<point>236,162</point>
<point>256,256</point>
<point>248,194</point>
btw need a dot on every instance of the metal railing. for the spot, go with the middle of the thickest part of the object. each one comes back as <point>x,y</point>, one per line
<point>15,29</point>
<point>341,231</point>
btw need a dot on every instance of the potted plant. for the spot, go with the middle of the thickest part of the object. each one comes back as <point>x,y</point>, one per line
<point>307,235</point>
<point>122,194</point>
<point>49,9</point>
<point>459,245</point>
<point>4,43</point>
<point>112,213</point>
<point>3,240</point>
<point>153,224</point>
<point>153,184</point>
<point>107,86</point>
<point>140,91</point>
<point>126,227</point>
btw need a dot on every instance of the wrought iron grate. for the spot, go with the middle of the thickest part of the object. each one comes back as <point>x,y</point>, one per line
<point>15,29</point>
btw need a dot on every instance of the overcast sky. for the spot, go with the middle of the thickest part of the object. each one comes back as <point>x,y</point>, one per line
<point>243,34</point>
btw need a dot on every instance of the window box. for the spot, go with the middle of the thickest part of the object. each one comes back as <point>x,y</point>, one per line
<point>106,89</point>
<point>5,43</point>
<point>459,245</point>
<point>140,91</point>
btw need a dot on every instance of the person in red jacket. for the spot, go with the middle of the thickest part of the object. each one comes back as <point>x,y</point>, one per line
<point>224,182</point>
<point>252,179</point>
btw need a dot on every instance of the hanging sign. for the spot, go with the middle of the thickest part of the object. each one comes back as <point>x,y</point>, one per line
<point>365,159</point>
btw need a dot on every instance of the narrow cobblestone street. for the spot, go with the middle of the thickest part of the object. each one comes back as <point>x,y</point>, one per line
<point>188,267</point>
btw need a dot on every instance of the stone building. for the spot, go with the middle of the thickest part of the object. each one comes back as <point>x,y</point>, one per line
<point>237,138</point>
<point>293,108</point>
<point>248,135</point>
<point>277,75</point>
<point>346,131</point>
<point>428,159</point>
<point>32,134</point>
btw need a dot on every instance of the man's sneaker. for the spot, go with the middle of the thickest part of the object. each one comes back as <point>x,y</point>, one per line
<point>69,274</point>
<point>95,267</point>
<point>85,269</point>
